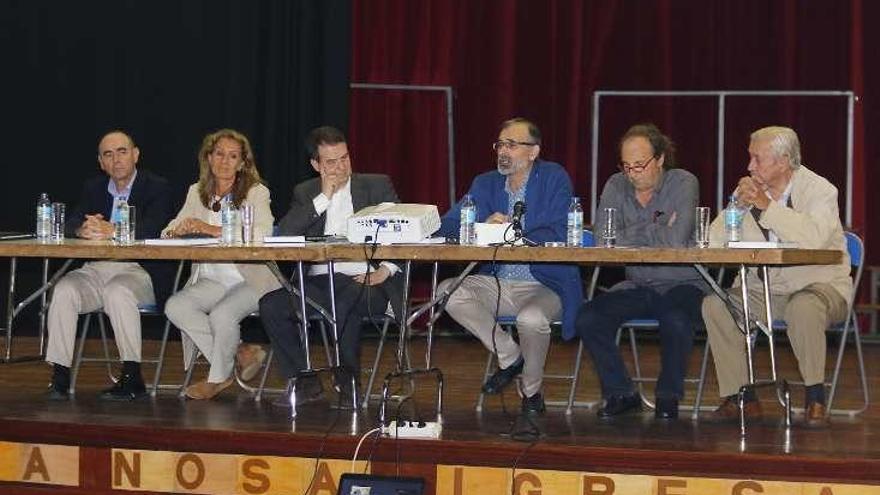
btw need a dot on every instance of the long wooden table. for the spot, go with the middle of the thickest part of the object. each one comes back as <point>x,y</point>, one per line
<point>333,252</point>
<point>322,252</point>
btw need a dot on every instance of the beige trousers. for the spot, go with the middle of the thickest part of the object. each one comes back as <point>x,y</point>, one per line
<point>117,288</point>
<point>807,313</point>
<point>473,306</point>
<point>208,313</point>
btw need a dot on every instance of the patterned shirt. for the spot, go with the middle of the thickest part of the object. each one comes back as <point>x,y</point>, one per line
<point>515,271</point>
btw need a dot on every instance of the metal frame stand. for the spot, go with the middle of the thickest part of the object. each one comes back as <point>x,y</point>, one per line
<point>403,368</point>
<point>12,309</point>
<point>721,98</point>
<point>783,394</point>
<point>299,301</point>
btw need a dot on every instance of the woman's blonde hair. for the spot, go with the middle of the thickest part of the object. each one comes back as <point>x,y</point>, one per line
<point>245,178</point>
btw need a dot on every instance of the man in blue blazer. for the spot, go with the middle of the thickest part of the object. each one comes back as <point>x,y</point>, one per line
<point>536,293</point>
<point>115,287</point>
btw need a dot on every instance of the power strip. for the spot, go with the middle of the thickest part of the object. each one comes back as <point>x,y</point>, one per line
<point>413,429</point>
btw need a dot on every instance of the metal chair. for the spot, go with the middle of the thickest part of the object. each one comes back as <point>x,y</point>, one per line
<point>631,326</point>
<point>856,249</point>
<point>371,372</point>
<point>144,310</point>
<point>651,324</point>
<point>508,322</point>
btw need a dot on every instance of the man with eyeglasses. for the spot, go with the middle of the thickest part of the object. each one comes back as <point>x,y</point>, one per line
<point>115,287</point>
<point>655,205</point>
<point>536,293</point>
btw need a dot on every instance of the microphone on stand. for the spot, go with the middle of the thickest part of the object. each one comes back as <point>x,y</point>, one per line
<point>519,209</point>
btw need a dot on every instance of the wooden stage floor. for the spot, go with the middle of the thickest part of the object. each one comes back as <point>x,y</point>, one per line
<point>845,453</point>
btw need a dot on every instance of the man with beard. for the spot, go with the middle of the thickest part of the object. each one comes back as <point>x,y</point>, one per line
<point>536,294</point>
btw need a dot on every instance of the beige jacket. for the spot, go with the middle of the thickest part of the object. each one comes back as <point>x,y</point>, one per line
<point>255,274</point>
<point>813,222</point>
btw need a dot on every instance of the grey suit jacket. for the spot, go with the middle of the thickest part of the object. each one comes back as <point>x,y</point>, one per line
<point>366,190</point>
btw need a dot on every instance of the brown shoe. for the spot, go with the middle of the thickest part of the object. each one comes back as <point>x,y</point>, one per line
<point>249,359</point>
<point>729,410</point>
<point>815,415</point>
<point>205,390</point>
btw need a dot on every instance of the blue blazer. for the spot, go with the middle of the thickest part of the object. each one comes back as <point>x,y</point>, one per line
<point>547,198</point>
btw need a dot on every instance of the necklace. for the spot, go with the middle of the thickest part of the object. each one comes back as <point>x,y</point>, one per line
<point>217,199</point>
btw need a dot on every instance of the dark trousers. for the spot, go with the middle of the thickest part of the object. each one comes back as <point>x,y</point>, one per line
<point>354,301</point>
<point>677,311</point>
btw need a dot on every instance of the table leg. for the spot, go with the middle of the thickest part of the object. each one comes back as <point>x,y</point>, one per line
<point>299,301</point>
<point>12,310</point>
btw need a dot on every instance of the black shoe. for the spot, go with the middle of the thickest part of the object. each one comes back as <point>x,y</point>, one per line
<point>619,404</point>
<point>57,392</point>
<point>502,377</point>
<point>130,387</point>
<point>59,388</point>
<point>666,408</point>
<point>533,405</point>
<point>308,390</point>
<point>526,428</point>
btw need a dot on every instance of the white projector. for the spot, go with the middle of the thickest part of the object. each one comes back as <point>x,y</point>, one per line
<point>393,223</point>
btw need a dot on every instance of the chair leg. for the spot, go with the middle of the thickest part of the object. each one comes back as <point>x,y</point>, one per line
<point>486,374</point>
<point>258,396</point>
<point>637,368</point>
<point>375,369</point>
<point>857,340</point>
<point>575,375</point>
<point>698,400</point>
<point>107,361</point>
<point>189,373</point>
<point>850,326</point>
<point>77,360</point>
<point>160,359</point>
<point>323,329</point>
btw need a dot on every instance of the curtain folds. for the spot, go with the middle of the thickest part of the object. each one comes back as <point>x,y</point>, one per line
<point>544,59</point>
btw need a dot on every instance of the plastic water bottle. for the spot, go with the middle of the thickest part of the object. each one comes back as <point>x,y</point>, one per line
<point>228,223</point>
<point>733,221</point>
<point>467,232</point>
<point>122,223</point>
<point>575,228</point>
<point>44,217</point>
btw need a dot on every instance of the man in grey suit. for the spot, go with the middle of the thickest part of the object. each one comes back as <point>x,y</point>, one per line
<point>322,206</point>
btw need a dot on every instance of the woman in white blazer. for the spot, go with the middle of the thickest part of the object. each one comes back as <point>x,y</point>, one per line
<point>218,296</point>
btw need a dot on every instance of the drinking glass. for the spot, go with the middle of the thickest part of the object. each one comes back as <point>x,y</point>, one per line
<point>58,221</point>
<point>701,226</point>
<point>246,215</point>
<point>609,227</point>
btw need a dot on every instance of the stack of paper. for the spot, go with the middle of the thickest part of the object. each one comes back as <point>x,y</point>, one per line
<point>762,245</point>
<point>176,241</point>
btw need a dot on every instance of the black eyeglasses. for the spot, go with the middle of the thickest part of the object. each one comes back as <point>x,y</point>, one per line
<point>510,145</point>
<point>635,166</point>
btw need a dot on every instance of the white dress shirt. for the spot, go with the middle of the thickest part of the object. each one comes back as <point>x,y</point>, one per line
<point>339,209</point>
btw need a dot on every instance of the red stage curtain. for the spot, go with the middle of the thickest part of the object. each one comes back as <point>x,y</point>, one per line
<point>543,60</point>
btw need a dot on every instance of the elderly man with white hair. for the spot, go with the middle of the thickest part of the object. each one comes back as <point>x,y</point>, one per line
<point>788,202</point>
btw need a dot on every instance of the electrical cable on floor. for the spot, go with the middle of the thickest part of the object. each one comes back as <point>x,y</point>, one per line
<point>516,464</point>
<point>321,452</point>
<point>360,442</point>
